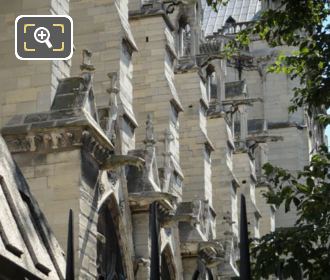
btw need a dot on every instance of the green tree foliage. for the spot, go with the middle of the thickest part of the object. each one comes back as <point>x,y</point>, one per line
<point>304,250</point>
<point>300,24</point>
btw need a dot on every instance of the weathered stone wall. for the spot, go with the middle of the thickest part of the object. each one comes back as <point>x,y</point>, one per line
<point>88,216</point>
<point>26,86</point>
<point>155,95</point>
<point>243,169</point>
<point>66,180</point>
<point>142,245</point>
<point>224,189</point>
<point>102,27</point>
<point>196,159</point>
<point>152,93</point>
<point>171,243</point>
<point>54,179</point>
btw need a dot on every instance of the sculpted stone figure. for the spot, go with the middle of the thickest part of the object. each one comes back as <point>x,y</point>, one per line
<point>115,161</point>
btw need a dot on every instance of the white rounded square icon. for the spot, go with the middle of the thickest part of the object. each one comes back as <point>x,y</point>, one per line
<point>43,37</point>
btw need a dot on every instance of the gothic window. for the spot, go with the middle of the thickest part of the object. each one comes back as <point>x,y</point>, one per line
<point>127,51</point>
<point>184,38</point>
<point>230,21</point>
<point>104,117</point>
<point>233,215</point>
<point>165,273</point>
<point>169,59</point>
<point>128,125</point>
<point>237,124</point>
<point>91,108</point>
<point>174,128</point>
<point>174,115</point>
<point>229,151</point>
<point>203,109</point>
<point>126,58</point>
<point>256,225</point>
<point>211,83</point>
<point>203,114</point>
<point>177,179</point>
<point>109,259</point>
<point>167,267</point>
<point>230,25</point>
<point>207,152</point>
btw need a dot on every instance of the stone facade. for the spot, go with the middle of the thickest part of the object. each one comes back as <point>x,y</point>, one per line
<point>150,135</point>
<point>38,79</point>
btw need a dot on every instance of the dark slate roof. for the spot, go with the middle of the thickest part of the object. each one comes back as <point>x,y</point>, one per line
<point>75,93</point>
<point>28,247</point>
<point>70,93</point>
<point>139,181</point>
<point>239,10</point>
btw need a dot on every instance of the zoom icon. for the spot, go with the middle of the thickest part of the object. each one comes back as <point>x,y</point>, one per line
<point>47,37</point>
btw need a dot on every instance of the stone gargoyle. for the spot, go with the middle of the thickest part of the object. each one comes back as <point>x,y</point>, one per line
<point>115,161</point>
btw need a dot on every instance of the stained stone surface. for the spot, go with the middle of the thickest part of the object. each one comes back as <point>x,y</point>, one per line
<point>235,89</point>
<point>26,240</point>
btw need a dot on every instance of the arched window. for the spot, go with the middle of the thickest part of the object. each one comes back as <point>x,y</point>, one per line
<point>230,25</point>
<point>184,37</point>
<point>109,258</point>
<point>167,267</point>
<point>230,21</point>
<point>211,83</point>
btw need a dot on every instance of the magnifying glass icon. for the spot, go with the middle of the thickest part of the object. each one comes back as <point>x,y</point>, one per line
<point>41,35</point>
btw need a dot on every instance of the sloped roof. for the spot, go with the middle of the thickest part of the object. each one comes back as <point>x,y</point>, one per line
<point>239,10</point>
<point>28,247</point>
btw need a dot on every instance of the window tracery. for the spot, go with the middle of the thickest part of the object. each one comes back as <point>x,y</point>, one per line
<point>184,38</point>
<point>211,83</point>
<point>109,259</point>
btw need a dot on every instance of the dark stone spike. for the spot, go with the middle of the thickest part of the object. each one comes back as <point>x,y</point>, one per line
<point>70,250</point>
<point>155,254</point>
<point>245,266</point>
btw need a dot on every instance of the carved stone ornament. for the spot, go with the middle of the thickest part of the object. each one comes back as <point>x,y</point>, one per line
<point>44,141</point>
<point>86,64</point>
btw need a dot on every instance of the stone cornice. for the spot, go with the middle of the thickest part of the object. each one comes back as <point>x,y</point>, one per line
<point>141,201</point>
<point>55,131</point>
<point>211,251</point>
<point>280,125</point>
